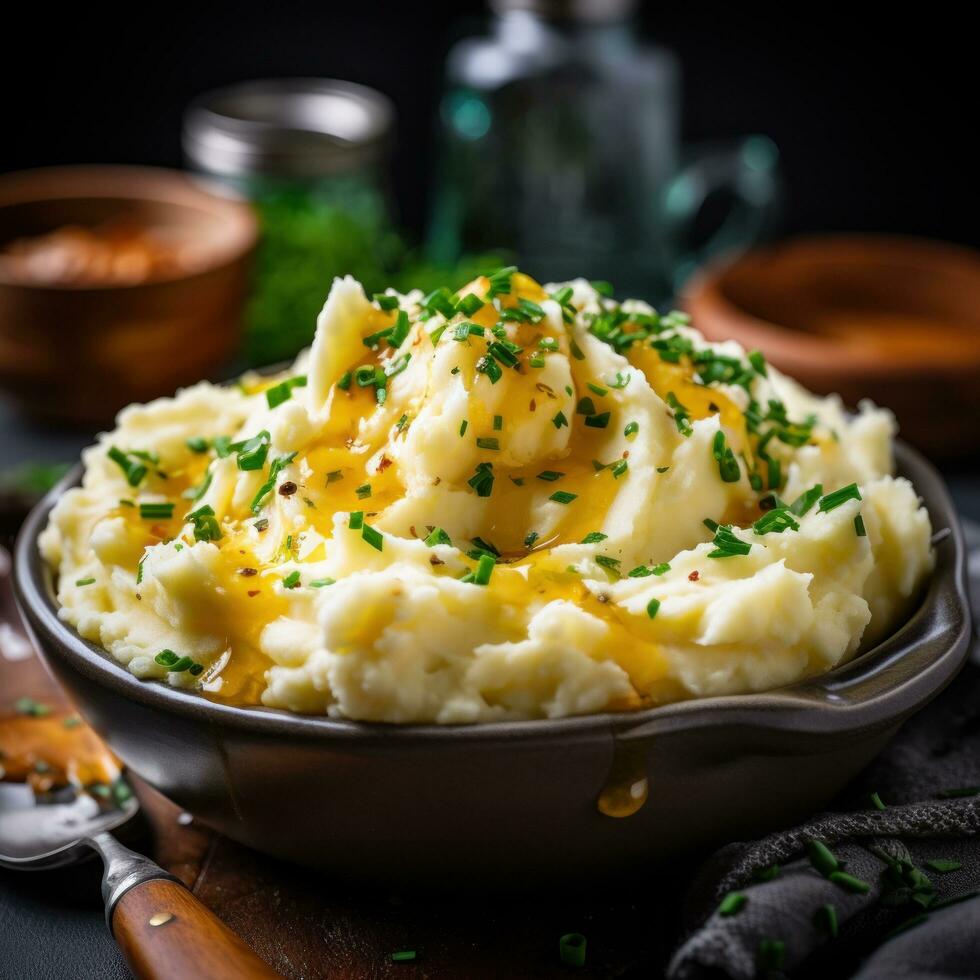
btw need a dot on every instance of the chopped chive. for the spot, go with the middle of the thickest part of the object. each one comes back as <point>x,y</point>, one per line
<point>825,919</point>
<point>620,468</point>
<point>758,363</point>
<point>682,417</point>
<point>291,580</point>
<point>373,537</point>
<point>385,300</point>
<point>732,904</point>
<point>559,420</point>
<point>403,956</point>
<point>134,471</point>
<point>344,381</point>
<point>156,511</point>
<point>728,467</point>
<point>363,491</point>
<point>498,423</point>
<point>631,429</point>
<point>482,480</point>
<point>537,361</point>
<point>876,801</point>
<point>488,366</point>
<point>484,570</point>
<point>488,442</point>
<point>571,949</point>
<point>206,526</point>
<point>319,583</point>
<point>850,882</point>
<point>469,304</point>
<point>776,522</point>
<point>859,529</point>
<point>642,571</point>
<point>356,520</point>
<point>585,406</point>
<point>253,452</point>
<point>283,391</point>
<point>400,330</point>
<point>500,281</point>
<point>197,444</point>
<point>804,503</point>
<point>438,536</point>
<point>822,857</point>
<point>772,955</point>
<point>84,581</point>
<point>727,544</point>
<point>550,475</point>
<point>608,563</point>
<point>563,497</point>
<point>943,865</point>
<point>959,791</point>
<point>32,708</point>
<point>333,476</point>
<point>597,421</point>
<point>768,873</point>
<point>653,607</point>
<point>594,537</point>
<point>597,389</point>
<point>166,658</point>
<point>462,427</point>
<point>838,497</point>
<point>530,538</point>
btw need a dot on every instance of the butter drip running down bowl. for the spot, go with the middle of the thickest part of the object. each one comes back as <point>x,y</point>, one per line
<point>517,800</point>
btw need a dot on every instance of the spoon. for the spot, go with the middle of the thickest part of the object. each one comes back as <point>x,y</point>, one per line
<point>161,928</point>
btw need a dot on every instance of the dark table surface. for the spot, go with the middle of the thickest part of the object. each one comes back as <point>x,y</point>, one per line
<point>51,924</point>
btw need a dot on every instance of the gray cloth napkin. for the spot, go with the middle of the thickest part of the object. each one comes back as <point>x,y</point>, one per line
<point>914,910</point>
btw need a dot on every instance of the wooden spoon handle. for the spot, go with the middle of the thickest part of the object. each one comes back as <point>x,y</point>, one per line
<point>165,932</point>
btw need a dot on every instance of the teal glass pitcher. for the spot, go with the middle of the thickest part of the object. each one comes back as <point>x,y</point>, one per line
<point>560,143</point>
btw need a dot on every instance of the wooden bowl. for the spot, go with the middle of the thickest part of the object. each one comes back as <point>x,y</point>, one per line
<point>80,352</point>
<point>896,320</point>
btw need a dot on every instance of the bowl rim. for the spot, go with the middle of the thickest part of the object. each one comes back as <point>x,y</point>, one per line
<point>865,693</point>
<point>707,298</point>
<point>229,211</point>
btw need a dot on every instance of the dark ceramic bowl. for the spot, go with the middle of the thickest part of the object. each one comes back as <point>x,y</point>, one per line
<point>514,799</point>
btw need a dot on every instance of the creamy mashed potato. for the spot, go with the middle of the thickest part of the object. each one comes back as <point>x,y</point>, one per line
<point>509,502</point>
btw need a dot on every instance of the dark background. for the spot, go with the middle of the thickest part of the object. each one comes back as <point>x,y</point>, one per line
<point>873,114</point>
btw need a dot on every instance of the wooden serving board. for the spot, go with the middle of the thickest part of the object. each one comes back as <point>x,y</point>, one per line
<point>310,926</point>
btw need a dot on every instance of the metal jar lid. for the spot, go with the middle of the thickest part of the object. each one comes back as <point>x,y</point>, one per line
<point>288,127</point>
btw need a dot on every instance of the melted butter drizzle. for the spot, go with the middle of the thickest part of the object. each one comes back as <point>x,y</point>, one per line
<point>52,751</point>
<point>336,466</point>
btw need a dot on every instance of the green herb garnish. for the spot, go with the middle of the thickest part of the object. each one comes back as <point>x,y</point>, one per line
<point>833,500</point>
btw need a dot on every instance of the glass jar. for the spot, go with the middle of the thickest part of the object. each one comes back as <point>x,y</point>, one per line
<point>311,155</point>
<point>560,141</point>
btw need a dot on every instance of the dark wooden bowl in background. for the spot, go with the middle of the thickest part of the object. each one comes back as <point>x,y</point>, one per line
<point>79,353</point>
<point>896,320</point>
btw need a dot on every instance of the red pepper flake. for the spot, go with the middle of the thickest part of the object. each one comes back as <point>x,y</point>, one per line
<point>248,572</point>
<point>694,576</point>
<point>253,593</point>
<point>383,464</point>
<point>435,561</point>
<point>287,489</point>
<point>533,406</point>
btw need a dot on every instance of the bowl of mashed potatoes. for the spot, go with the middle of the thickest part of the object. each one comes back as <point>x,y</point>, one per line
<point>494,573</point>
